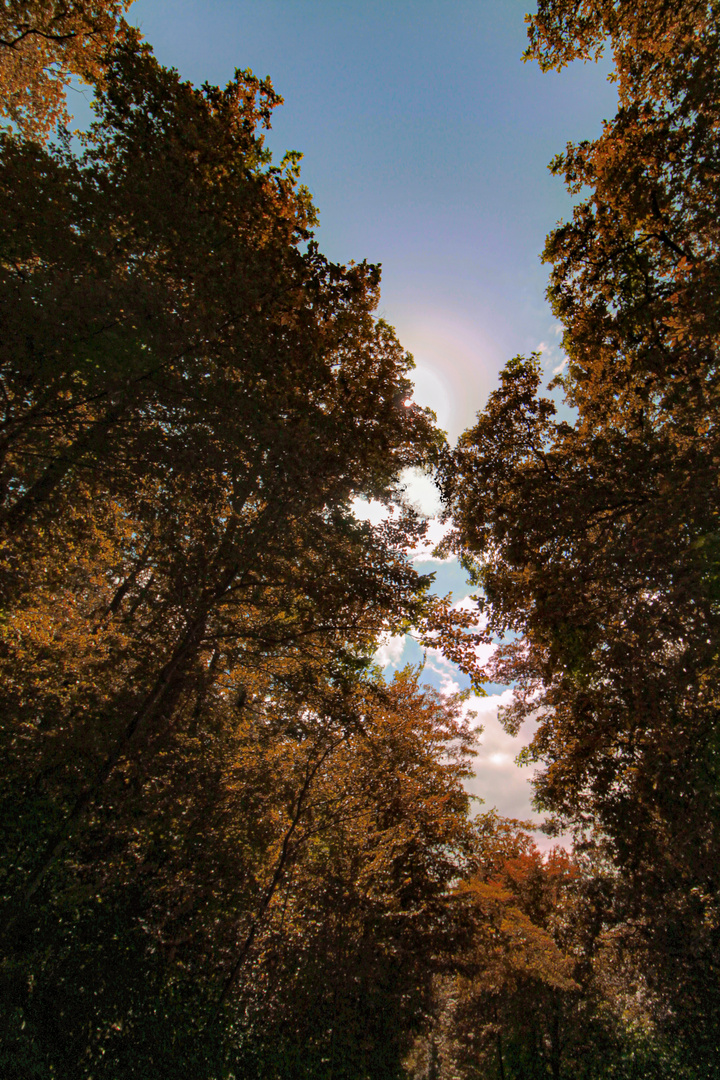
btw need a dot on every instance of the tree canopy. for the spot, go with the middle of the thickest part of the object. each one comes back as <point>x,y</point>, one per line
<point>594,537</point>
<point>230,846</point>
<point>193,396</point>
<point>43,44</point>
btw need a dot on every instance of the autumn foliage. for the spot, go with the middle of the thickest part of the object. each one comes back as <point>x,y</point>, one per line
<point>594,537</point>
<point>220,826</point>
<point>230,848</point>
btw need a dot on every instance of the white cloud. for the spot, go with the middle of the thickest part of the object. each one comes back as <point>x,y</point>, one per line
<point>370,510</point>
<point>484,652</point>
<point>554,360</point>
<point>498,780</point>
<point>421,492</point>
<point>486,649</point>
<point>467,603</point>
<point>444,669</point>
<point>436,531</point>
<point>376,513</point>
<point>390,650</point>
<point>432,392</point>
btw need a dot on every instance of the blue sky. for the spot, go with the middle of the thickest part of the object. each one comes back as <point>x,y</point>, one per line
<point>426,142</point>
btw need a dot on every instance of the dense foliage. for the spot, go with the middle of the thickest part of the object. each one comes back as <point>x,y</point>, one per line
<point>220,828</point>
<point>44,44</point>
<point>229,847</point>
<point>595,538</point>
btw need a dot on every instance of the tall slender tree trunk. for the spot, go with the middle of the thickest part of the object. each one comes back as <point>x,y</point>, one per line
<point>166,682</point>
<point>501,1064</point>
<point>283,857</point>
<point>555,1047</point>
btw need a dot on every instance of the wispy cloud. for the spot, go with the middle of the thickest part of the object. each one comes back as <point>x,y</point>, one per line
<point>445,671</point>
<point>553,356</point>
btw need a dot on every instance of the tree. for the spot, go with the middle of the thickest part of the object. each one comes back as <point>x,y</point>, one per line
<point>343,966</point>
<point>192,397</point>
<point>43,44</point>
<point>633,278</point>
<point>229,394</point>
<point>595,540</point>
<point>510,1006</point>
<point>541,982</point>
<point>270,899</point>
